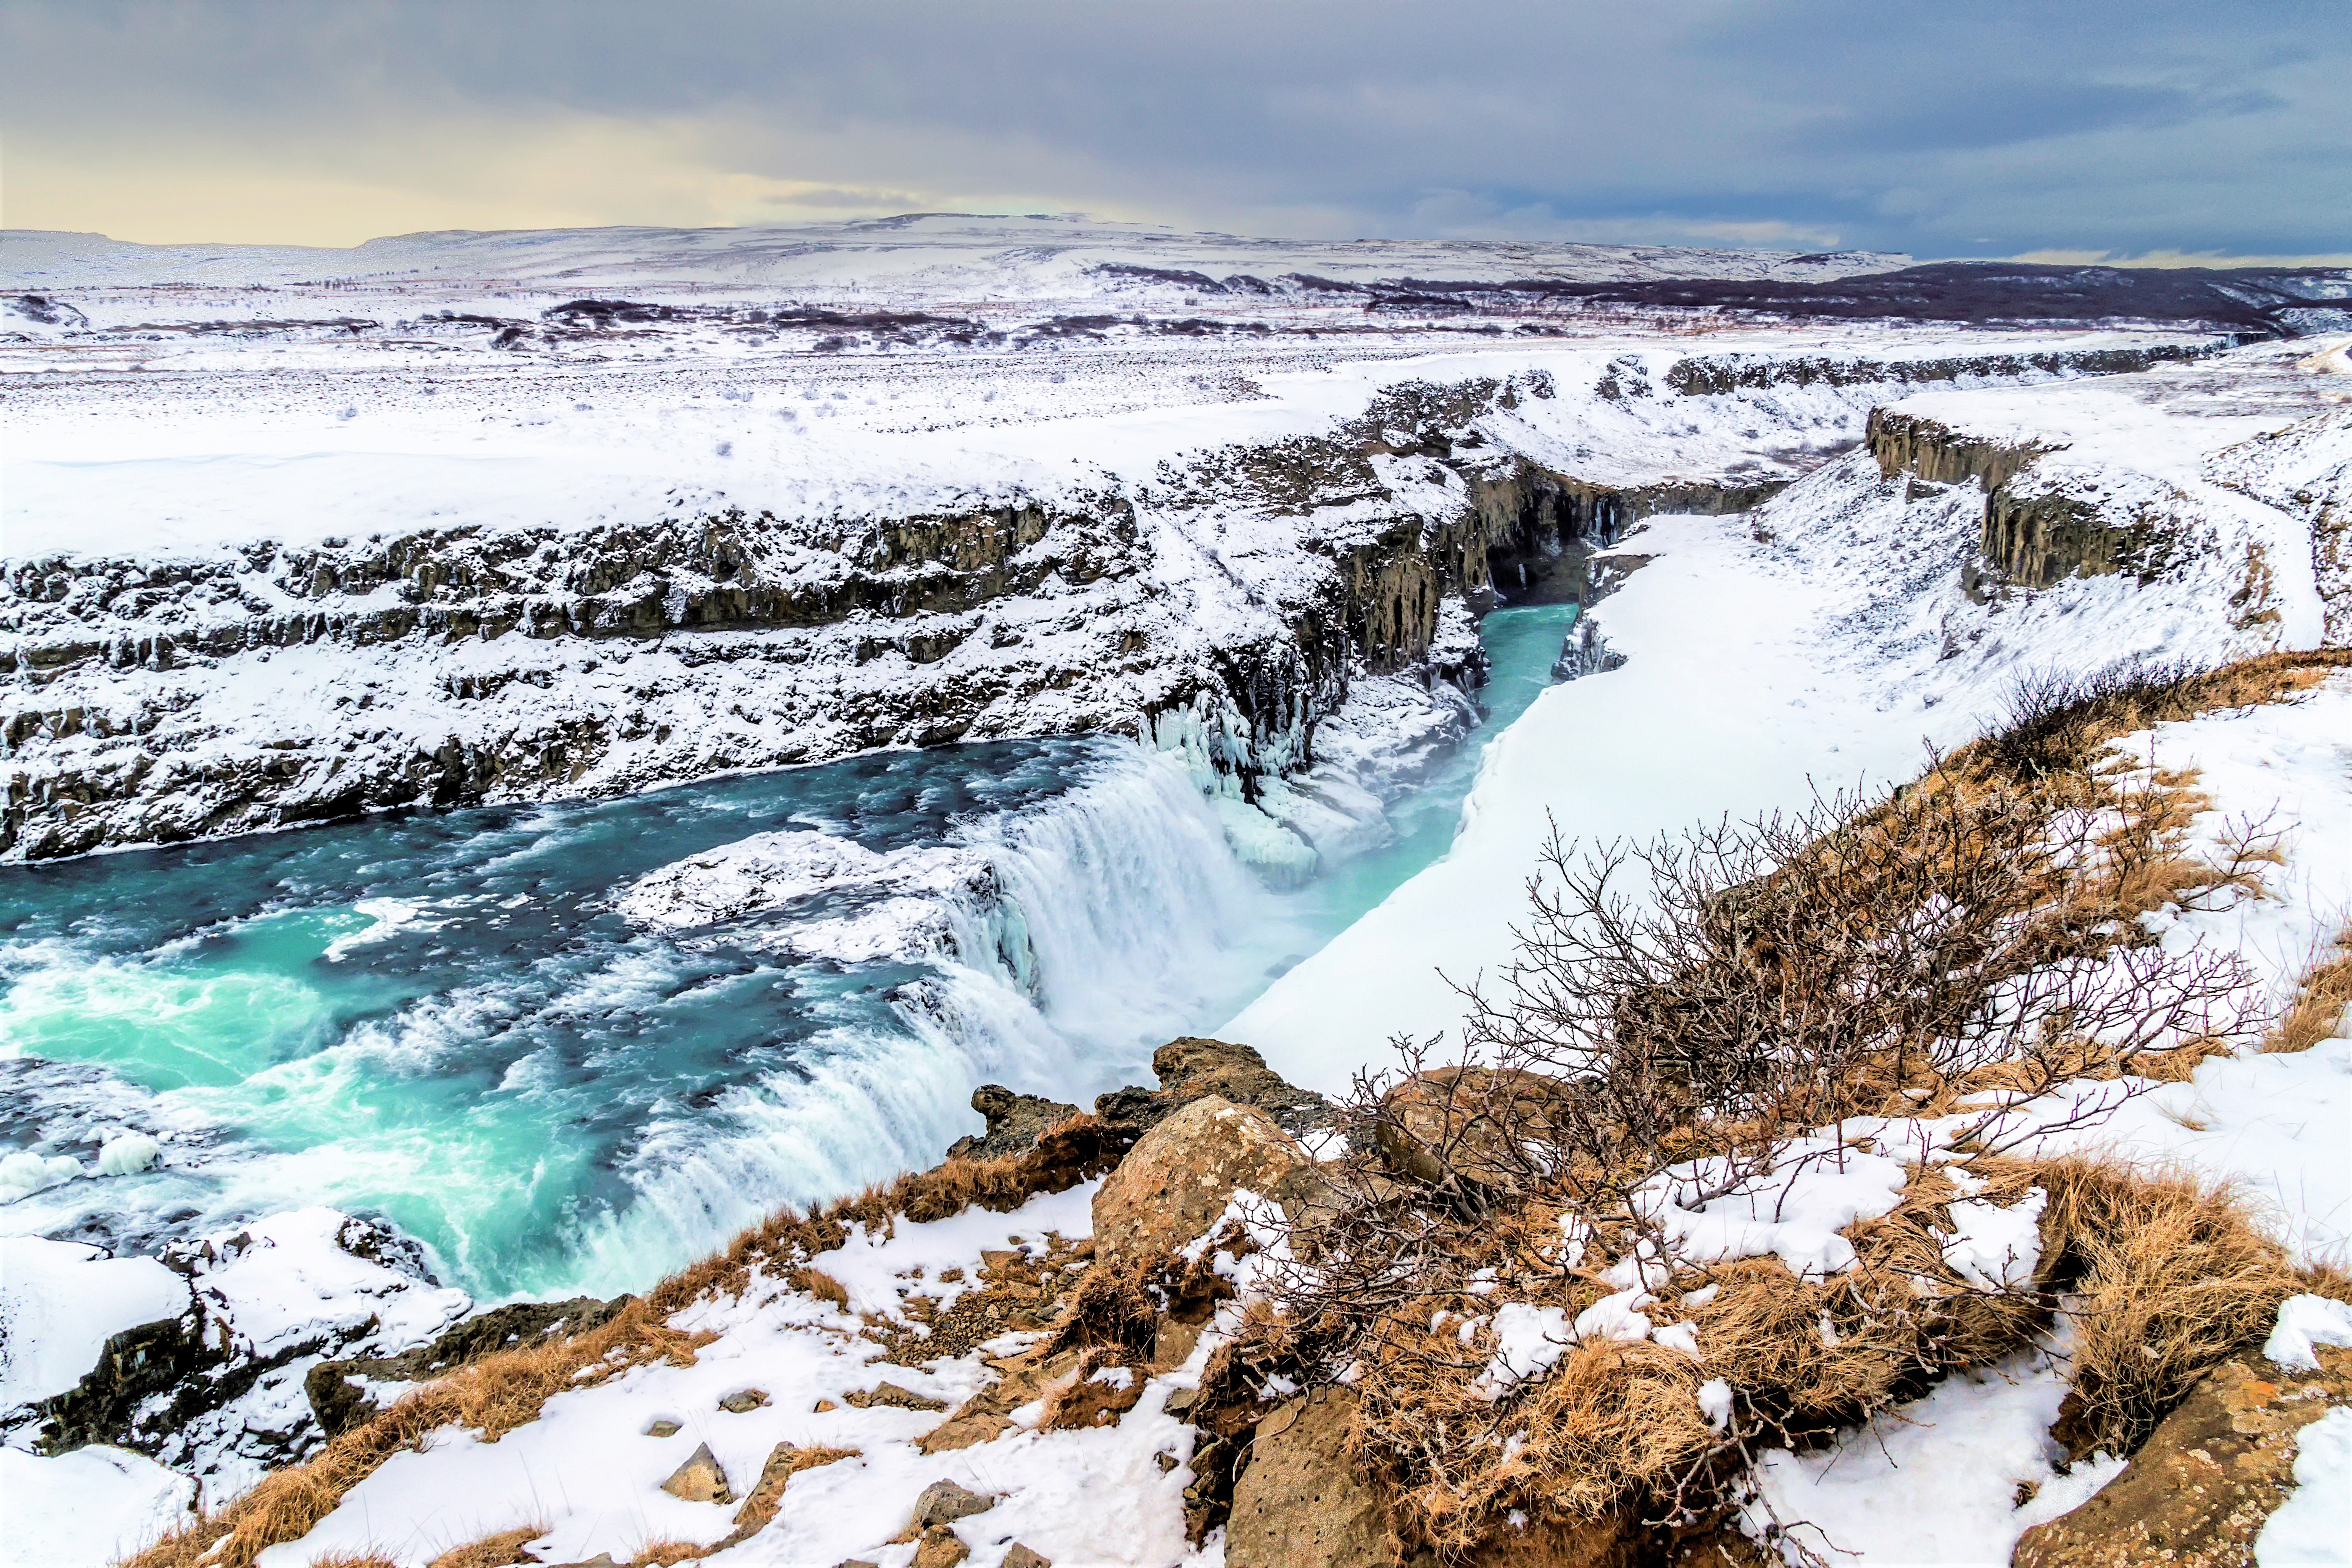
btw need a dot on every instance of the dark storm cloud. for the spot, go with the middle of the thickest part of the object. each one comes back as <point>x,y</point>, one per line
<point>2119,125</point>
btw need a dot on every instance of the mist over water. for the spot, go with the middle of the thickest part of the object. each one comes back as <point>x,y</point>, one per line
<point>443,1018</point>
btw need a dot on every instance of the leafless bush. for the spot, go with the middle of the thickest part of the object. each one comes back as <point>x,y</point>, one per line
<point>1716,992</point>
<point>1706,1003</point>
<point>2055,720</point>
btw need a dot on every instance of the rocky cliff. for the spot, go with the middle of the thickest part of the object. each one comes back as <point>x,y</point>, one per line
<point>1221,603</point>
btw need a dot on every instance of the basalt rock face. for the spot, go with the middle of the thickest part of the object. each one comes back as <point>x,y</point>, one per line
<point>1221,610</point>
<point>2039,527</point>
<point>1929,450</point>
<point>165,701</point>
<point>1702,373</point>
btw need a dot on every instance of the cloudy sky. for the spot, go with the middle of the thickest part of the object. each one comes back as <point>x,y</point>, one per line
<point>2056,128</point>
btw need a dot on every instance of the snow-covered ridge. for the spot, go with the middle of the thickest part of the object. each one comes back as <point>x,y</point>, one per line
<point>239,616</point>
<point>919,256</point>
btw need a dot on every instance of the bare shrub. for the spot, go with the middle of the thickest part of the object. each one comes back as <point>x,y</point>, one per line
<point>2057,723</point>
<point>1700,1005</point>
<point>1714,992</point>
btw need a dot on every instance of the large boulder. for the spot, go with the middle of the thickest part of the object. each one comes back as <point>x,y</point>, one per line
<point>1467,1124</point>
<point>2202,1486</point>
<point>1301,1503</point>
<point>1177,1180</point>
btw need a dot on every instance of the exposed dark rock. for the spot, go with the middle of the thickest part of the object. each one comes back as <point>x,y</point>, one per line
<point>2035,533</point>
<point>155,1359</point>
<point>1194,1068</point>
<point>1016,1123</point>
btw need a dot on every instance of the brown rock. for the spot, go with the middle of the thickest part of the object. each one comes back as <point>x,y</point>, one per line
<point>940,1548</point>
<point>1301,1504</point>
<point>1174,1184</point>
<point>2206,1481</point>
<point>743,1401</point>
<point>1192,1067</point>
<point>662,1429</point>
<point>987,1414</point>
<point>890,1397</point>
<point>1172,1344</point>
<point>1019,1556</point>
<point>699,1480</point>
<point>944,1502</point>
<point>1016,1123</point>
<point>1555,1543</point>
<point>1459,1122</point>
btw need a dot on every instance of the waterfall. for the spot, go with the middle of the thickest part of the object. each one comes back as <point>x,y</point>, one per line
<point>1112,918</point>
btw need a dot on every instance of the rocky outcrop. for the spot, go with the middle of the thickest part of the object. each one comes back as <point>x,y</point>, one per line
<point>221,1385</point>
<point>1929,450</point>
<point>2036,535</point>
<point>1704,373</point>
<point>2040,527</point>
<point>1016,1123</point>
<point>1177,1180</point>
<point>2201,1489</point>
<point>1193,1069</point>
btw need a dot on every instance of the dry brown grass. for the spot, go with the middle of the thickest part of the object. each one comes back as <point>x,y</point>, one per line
<point>353,1560</point>
<point>503,1550</point>
<point>494,1396</point>
<point>2059,726</point>
<point>1070,1153</point>
<point>1617,1427</point>
<point>2167,1275</point>
<point>491,1396</point>
<point>667,1554</point>
<point>823,1286</point>
<point>1765,1019</point>
<point>2320,1000</point>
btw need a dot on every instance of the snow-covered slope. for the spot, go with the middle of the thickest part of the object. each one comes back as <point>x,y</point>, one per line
<point>1824,639</point>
